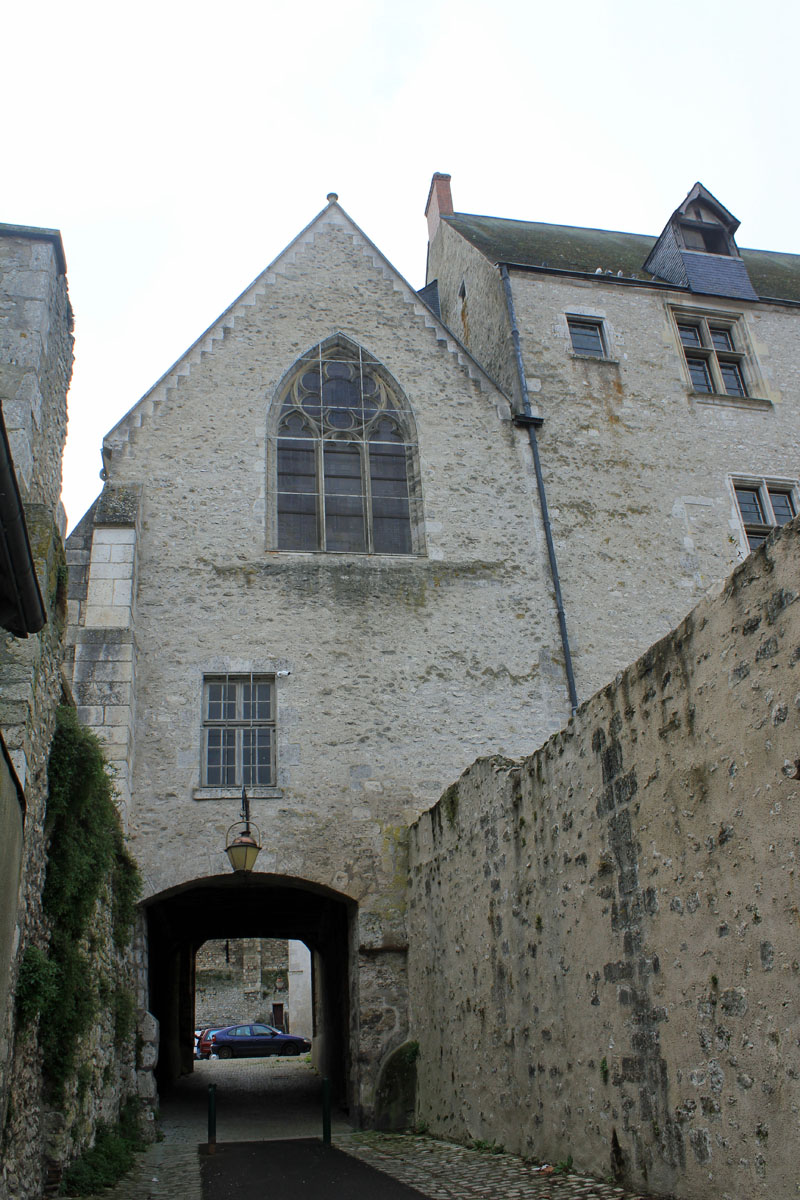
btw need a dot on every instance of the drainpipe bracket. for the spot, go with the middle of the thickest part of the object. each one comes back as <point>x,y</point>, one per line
<point>526,422</point>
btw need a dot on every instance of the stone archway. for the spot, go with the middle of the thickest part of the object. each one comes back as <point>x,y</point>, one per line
<point>180,920</point>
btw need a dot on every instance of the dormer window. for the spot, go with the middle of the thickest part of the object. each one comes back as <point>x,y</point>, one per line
<point>697,250</point>
<point>707,239</point>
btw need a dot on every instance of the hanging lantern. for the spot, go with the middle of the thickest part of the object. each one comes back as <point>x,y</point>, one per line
<point>242,844</point>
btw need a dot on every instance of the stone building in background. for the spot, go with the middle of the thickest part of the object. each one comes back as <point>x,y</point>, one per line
<point>359,535</point>
<point>255,979</point>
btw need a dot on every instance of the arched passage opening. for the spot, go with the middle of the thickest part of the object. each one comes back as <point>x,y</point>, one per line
<point>179,921</point>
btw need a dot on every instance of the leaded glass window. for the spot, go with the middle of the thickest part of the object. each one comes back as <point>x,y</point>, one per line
<point>344,454</point>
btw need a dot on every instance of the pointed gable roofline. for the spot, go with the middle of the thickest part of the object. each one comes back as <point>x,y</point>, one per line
<point>702,196</point>
<point>333,214</point>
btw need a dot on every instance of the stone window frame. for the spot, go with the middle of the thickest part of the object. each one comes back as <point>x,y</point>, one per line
<point>719,364</point>
<point>753,533</point>
<point>578,323</point>
<point>572,319</point>
<point>396,408</point>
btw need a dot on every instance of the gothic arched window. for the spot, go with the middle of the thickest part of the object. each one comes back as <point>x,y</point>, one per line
<point>345,457</point>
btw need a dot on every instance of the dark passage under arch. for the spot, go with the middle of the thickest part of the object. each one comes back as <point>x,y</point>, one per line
<point>249,906</point>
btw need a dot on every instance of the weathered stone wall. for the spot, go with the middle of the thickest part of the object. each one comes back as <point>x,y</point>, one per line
<point>101,657</point>
<point>35,367</point>
<point>30,690</point>
<point>35,357</point>
<point>603,936</point>
<point>37,1138</point>
<point>480,316</point>
<point>42,1136</point>
<point>653,498</point>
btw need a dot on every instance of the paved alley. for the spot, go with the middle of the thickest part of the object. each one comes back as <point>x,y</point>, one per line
<point>266,1099</point>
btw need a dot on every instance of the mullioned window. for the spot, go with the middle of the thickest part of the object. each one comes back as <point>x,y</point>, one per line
<point>345,457</point>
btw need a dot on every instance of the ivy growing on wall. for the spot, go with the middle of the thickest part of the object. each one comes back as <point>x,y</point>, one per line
<point>87,861</point>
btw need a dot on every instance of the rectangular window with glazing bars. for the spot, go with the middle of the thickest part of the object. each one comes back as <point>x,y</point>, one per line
<point>238,731</point>
<point>763,506</point>
<point>587,337</point>
<point>714,353</point>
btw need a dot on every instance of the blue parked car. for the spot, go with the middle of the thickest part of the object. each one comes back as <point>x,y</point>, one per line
<point>251,1041</point>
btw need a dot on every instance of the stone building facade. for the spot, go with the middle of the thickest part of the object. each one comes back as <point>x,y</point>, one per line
<point>359,535</point>
<point>665,376</point>
<point>366,674</point>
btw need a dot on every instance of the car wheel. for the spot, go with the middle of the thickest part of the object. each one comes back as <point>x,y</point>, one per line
<point>225,1052</point>
<point>292,1049</point>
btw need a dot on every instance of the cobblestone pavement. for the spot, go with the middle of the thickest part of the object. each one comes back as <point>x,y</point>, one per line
<point>445,1171</point>
<point>281,1098</point>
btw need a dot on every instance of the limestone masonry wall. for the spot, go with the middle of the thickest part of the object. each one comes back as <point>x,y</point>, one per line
<point>603,954</point>
<point>35,367</point>
<point>41,1131</point>
<point>35,357</point>
<point>653,499</point>
<point>240,980</point>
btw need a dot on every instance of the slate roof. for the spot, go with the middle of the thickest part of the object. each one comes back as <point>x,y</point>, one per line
<point>572,248</point>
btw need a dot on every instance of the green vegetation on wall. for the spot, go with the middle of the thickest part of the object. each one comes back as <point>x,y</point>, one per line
<point>109,1159</point>
<point>87,861</point>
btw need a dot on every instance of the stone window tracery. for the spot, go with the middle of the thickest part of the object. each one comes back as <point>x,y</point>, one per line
<point>344,457</point>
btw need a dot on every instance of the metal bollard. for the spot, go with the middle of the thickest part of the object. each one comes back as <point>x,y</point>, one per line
<point>212,1118</point>
<point>326,1111</point>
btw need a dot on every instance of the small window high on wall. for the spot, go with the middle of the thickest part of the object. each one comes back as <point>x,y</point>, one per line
<point>345,457</point>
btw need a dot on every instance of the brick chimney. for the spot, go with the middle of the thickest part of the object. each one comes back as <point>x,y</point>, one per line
<point>440,202</point>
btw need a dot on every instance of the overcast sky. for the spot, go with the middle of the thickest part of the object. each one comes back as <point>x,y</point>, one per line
<point>178,147</point>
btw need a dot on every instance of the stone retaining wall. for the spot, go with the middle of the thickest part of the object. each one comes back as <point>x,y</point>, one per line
<point>603,936</point>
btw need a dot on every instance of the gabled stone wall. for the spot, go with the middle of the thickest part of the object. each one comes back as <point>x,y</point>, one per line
<point>391,672</point>
<point>603,953</point>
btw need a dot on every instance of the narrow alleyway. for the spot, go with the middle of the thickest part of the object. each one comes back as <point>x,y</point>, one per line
<point>280,1099</point>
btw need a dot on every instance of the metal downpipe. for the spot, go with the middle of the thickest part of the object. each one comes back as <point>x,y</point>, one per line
<point>531,423</point>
